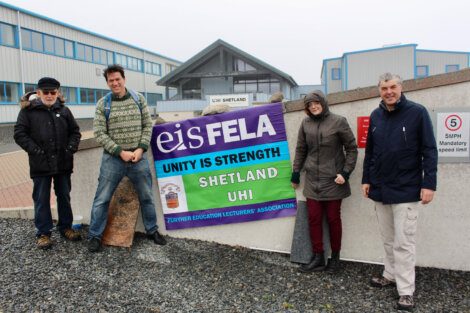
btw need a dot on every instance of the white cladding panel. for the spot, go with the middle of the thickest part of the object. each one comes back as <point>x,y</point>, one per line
<point>10,64</point>
<point>333,85</point>
<point>69,72</point>
<point>9,113</point>
<point>82,111</point>
<point>437,61</point>
<point>56,29</point>
<point>8,16</point>
<point>48,27</point>
<point>364,68</point>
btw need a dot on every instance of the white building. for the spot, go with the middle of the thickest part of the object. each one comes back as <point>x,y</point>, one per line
<point>362,68</point>
<point>33,46</point>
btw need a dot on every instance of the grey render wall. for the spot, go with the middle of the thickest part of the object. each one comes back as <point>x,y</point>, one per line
<point>443,231</point>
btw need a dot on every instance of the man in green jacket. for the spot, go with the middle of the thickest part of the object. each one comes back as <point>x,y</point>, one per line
<point>123,126</point>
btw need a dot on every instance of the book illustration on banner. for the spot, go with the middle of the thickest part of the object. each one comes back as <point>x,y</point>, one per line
<point>226,168</point>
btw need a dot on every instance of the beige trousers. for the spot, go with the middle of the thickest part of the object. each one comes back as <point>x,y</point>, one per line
<point>398,224</point>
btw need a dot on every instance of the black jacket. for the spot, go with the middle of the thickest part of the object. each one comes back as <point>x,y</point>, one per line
<point>401,154</point>
<point>50,136</point>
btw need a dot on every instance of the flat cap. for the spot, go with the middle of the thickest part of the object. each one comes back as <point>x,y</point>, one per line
<point>48,83</point>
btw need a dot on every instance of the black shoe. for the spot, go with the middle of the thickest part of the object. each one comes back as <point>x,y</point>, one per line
<point>94,245</point>
<point>333,263</point>
<point>157,238</point>
<point>316,264</point>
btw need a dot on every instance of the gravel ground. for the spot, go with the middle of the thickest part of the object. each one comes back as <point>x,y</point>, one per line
<point>194,276</point>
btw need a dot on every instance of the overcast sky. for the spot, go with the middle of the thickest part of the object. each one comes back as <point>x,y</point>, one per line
<point>291,35</point>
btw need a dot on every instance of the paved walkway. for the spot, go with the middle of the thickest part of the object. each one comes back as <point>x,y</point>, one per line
<point>15,184</point>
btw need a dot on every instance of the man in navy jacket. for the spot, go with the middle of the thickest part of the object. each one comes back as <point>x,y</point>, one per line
<point>400,167</point>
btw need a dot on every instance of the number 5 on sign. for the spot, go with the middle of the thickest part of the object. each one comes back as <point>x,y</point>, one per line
<point>453,134</point>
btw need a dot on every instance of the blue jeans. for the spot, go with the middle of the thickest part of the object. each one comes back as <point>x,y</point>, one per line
<point>112,171</point>
<point>42,203</point>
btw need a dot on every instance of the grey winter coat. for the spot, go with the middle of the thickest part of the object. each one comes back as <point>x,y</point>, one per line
<point>325,147</point>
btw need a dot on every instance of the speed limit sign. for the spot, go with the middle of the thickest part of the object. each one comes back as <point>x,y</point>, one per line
<point>453,122</point>
<point>453,130</point>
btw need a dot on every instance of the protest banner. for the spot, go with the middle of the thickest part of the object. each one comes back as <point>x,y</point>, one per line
<point>226,168</point>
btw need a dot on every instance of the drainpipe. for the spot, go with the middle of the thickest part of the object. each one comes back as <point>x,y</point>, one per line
<point>21,53</point>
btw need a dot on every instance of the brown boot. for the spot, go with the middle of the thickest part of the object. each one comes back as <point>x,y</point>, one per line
<point>71,234</point>
<point>44,242</point>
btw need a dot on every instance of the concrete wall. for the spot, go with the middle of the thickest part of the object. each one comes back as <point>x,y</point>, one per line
<point>443,231</point>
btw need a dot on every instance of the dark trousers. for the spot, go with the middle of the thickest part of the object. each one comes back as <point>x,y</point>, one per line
<point>42,203</point>
<point>315,221</point>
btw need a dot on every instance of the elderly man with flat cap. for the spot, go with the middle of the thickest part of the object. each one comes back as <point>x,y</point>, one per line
<point>48,132</point>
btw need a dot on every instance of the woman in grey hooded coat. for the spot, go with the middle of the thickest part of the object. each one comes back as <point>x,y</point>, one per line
<point>326,150</point>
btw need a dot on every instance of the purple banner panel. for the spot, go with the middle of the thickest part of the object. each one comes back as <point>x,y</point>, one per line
<point>236,214</point>
<point>248,127</point>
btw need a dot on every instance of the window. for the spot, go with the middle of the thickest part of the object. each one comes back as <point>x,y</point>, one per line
<point>88,54</point>
<point>103,57</point>
<point>69,93</point>
<point>26,36</point>
<point>97,56</point>
<point>29,88</point>
<point>336,73</point>
<point>8,92</point>
<point>100,93</point>
<point>36,39</point>
<point>170,67</point>
<point>241,66</point>
<point>69,49</point>
<point>153,68</point>
<point>31,40</point>
<point>48,44</point>
<point>84,53</point>
<point>59,46</point>
<point>110,57</point>
<point>452,68</point>
<point>80,51</point>
<point>7,35</point>
<point>152,98</point>
<point>263,85</point>
<point>87,95</point>
<point>91,96</point>
<point>128,62</point>
<point>192,89</point>
<point>121,59</point>
<point>422,71</point>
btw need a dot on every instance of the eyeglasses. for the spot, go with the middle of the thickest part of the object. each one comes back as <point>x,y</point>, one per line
<point>47,92</point>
